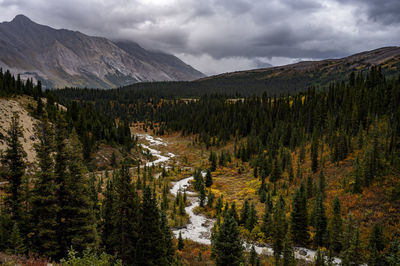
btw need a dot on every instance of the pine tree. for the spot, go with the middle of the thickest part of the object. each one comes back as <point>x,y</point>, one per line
<point>181,243</point>
<point>13,161</point>
<point>77,217</point>
<point>150,247</point>
<point>279,229</point>
<point>314,153</point>
<point>288,252</point>
<point>168,248</point>
<point>310,186</point>
<point>319,221</point>
<point>124,217</point>
<point>107,214</point>
<point>210,199</point>
<point>15,242</point>
<point>321,183</point>
<point>44,205</point>
<point>299,217</point>
<point>266,227</point>
<point>336,227</point>
<point>376,245</point>
<point>227,246</point>
<point>276,171</point>
<point>209,180</point>
<point>252,218</point>
<point>202,196</point>
<point>233,212</point>
<point>244,213</point>
<point>320,259</point>
<point>253,259</point>
<point>213,161</point>
<point>61,179</point>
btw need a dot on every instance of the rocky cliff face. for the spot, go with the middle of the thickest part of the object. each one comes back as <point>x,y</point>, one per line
<point>62,58</point>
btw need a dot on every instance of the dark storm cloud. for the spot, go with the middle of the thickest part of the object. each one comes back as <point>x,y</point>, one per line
<point>384,11</point>
<point>225,35</point>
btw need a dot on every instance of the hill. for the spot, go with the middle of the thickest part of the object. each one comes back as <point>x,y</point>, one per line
<point>62,58</point>
<point>283,79</point>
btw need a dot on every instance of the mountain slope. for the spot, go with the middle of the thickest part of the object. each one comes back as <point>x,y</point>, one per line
<point>69,58</point>
<point>283,79</point>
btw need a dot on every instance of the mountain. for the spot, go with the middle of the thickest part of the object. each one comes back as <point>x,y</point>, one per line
<point>283,79</point>
<point>62,58</point>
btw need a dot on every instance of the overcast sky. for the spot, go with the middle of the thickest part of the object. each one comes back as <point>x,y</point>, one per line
<point>218,36</point>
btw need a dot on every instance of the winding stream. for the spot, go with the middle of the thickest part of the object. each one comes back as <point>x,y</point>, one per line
<point>199,227</point>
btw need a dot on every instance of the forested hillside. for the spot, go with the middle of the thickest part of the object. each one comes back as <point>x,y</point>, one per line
<point>330,157</point>
<point>317,169</point>
<point>275,81</point>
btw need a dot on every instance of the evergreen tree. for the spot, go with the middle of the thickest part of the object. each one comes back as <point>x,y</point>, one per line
<point>227,246</point>
<point>78,226</point>
<point>244,213</point>
<point>276,171</point>
<point>150,247</point>
<point>320,259</point>
<point>314,153</point>
<point>168,248</point>
<point>209,180</point>
<point>266,227</point>
<point>319,221</point>
<point>213,161</point>
<point>253,259</point>
<point>299,217</point>
<point>351,247</point>
<point>376,246</point>
<point>181,243</point>
<point>107,217</point>
<point>252,218</point>
<point>210,199</point>
<point>13,161</point>
<point>321,183</point>
<point>44,205</point>
<point>288,252</point>
<point>124,217</point>
<point>336,227</point>
<point>278,230</point>
<point>15,242</point>
<point>202,196</point>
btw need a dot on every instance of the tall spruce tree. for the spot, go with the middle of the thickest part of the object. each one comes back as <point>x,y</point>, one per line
<point>44,205</point>
<point>336,227</point>
<point>299,217</point>
<point>150,247</point>
<point>319,221</point>
<point>125,213</point>
<point>279,229</point>
<point>288,252</point>
<point>77,216</point>
<point>13,162</point>
<point>227,246</point>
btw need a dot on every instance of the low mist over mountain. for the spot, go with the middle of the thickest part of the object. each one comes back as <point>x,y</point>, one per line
<point>62,58</point>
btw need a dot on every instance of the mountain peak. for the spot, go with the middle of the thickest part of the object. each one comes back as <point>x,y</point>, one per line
<point>21,18</point>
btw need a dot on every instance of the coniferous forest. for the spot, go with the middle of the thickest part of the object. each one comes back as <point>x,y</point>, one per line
<point>316,168</point>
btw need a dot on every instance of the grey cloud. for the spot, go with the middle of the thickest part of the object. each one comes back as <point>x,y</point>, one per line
<point>383,11</point>
<point>227,32</point>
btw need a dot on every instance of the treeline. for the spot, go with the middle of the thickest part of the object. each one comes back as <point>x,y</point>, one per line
<point>55,206</point>
<point>92,124</point>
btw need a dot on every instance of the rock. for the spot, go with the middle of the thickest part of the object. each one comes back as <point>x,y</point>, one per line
<point>302,252</point>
